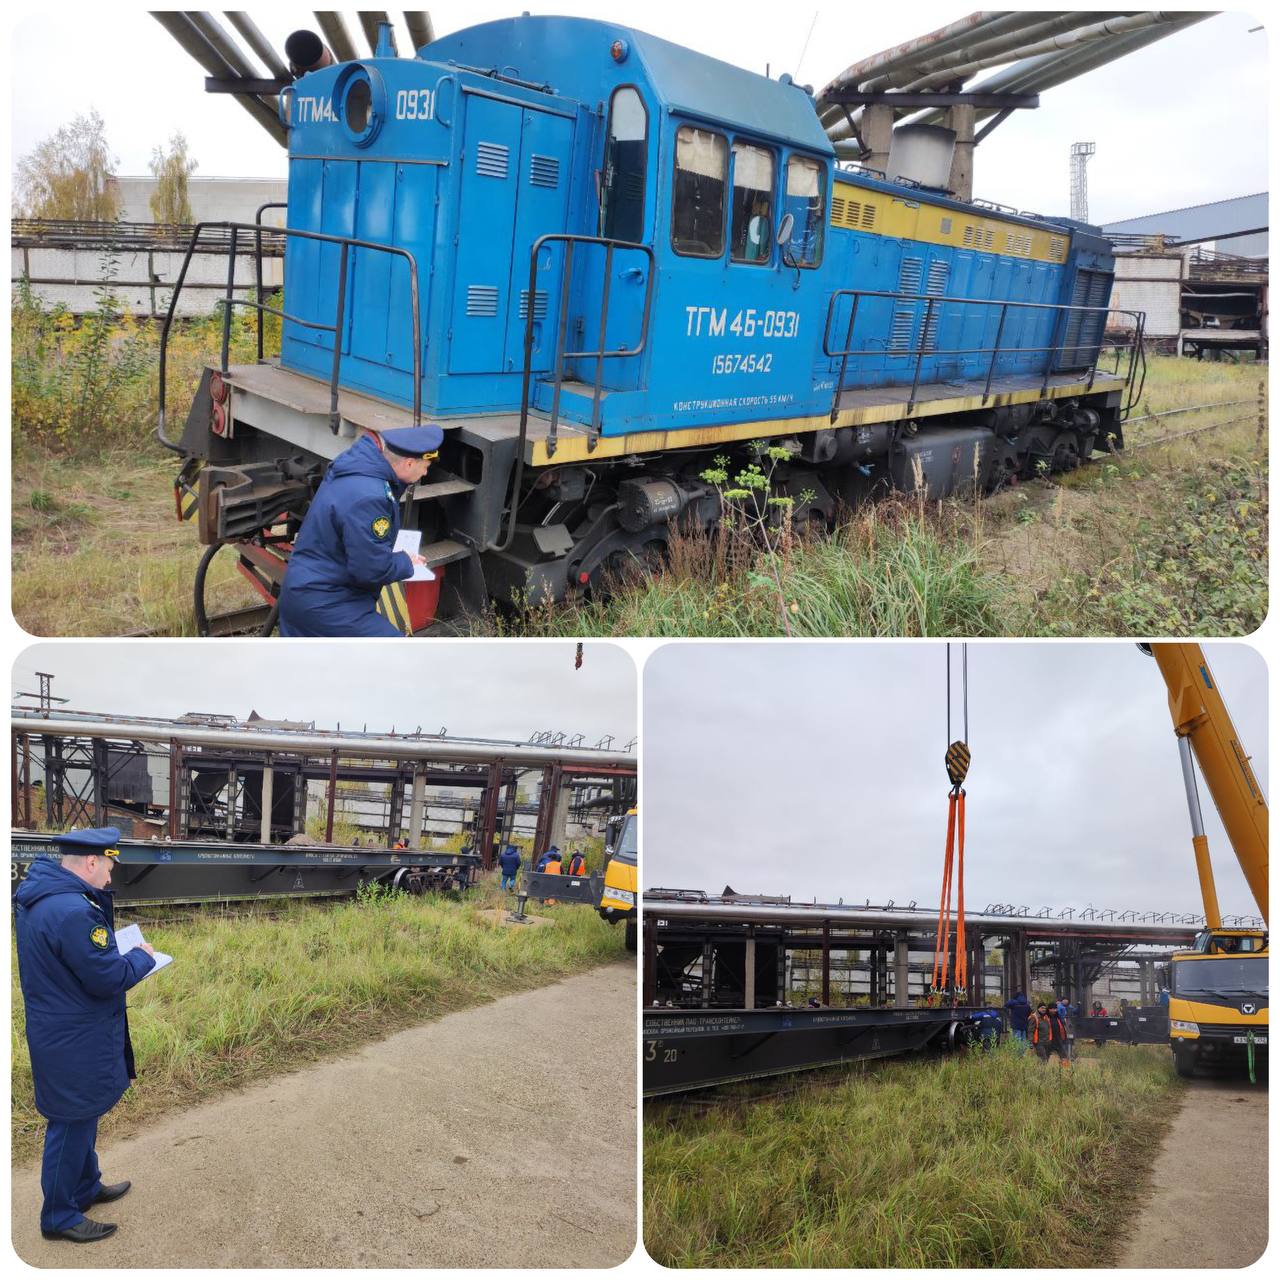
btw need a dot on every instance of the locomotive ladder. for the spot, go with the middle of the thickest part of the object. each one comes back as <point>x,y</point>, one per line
<point>599,355</point>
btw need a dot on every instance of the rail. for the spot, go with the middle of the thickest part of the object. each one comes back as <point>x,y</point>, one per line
<point>230,301</point>
<point>1135,374</point>
<point>600,355</point>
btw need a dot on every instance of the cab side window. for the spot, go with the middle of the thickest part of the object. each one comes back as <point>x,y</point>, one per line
<point>751,213</point>
<point>805,201</point>
<point>697,205</point>
<point>622,187</point>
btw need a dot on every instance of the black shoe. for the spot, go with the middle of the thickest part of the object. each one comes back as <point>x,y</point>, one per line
<point>111,1192</point>
<point>86,1232</point>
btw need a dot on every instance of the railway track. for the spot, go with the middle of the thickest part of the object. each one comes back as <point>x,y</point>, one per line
<point>250,621</point>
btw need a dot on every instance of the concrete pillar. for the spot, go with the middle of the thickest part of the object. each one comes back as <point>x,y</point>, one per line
<point>960,120</point>
<point>749,978</point>
<point>901,972</point>
<point>560,815</point>
<point>877,134</point>
<point>416,798</point>
<point>268,786</point>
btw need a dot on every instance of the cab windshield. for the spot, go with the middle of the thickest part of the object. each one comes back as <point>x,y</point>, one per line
<point>1220,977</point>
<point>628,840</point>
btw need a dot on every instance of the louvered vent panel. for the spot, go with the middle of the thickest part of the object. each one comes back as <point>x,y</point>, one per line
<point>492,159</point>
<point>837,211</point>
<point>539,304</point>
<point>935,286</point>
<point>482,300</point>
<point>900,333</point>
<point>868,217</point>
<point>909,275</point>
<point>544,171</point>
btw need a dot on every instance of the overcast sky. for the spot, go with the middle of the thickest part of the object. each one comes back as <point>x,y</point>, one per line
<point>1178,123</point>
<point>816,770</point>
<point>472,688</point>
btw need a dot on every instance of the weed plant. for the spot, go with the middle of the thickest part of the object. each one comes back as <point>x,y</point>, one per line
<point>978,1160</point>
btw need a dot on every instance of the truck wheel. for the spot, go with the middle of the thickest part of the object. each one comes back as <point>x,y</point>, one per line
<point>629,934</point>
<point>1184,1062</point>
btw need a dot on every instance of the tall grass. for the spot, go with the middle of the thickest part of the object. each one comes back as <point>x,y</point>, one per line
<point>252,995</point>
<point>974,1160</point>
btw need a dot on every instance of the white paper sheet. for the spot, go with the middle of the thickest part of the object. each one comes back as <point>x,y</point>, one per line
<point>131,936</point>
<point>408,541</point>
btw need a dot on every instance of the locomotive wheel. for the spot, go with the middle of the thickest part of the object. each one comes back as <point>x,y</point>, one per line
<point>1066,454</point>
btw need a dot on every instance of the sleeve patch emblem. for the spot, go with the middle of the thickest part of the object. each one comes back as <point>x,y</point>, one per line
<point>381,527</point>
<point>99,937</point>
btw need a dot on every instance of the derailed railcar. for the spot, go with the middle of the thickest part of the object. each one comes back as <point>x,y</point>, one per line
<point>598,260</point>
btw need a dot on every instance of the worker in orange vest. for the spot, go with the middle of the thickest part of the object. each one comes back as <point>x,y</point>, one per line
<point>1047,1033</point>
<point>552,868</point>
<point>577,864</point>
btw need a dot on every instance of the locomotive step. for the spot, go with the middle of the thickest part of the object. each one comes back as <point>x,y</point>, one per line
<point>444,487</point>
<point>444,552</point>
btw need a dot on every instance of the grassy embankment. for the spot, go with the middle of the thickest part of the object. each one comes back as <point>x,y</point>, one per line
<point>1170,539</point>
<point>253,995</point>
<point>968,1161</point>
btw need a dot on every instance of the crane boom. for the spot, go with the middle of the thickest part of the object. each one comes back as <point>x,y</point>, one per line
<point>1202,723</point>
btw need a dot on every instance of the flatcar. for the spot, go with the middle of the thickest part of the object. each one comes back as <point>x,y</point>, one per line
<point>599,260</point>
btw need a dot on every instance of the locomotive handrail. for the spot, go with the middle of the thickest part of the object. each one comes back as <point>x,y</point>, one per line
<point>600,355</point>
<point>1061,309</point>
<point>257,255</point>
<point>346,244</point>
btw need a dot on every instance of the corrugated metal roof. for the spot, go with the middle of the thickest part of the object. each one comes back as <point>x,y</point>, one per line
<point>1217,217</point>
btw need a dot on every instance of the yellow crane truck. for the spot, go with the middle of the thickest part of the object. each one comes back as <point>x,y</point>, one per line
<point>1218,990</point>
<point>612,892</point>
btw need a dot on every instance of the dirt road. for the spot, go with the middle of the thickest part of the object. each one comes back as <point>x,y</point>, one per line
<point>1208,1206</point>
<point>503,1136</point>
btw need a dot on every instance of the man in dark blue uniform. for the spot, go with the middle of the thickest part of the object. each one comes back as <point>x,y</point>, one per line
<point>343,556</point>
<point>74,981</point>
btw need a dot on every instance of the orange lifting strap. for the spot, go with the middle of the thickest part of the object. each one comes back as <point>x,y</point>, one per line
<point>952,874</point>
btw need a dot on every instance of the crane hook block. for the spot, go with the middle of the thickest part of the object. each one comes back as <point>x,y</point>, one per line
<point>957,762</point>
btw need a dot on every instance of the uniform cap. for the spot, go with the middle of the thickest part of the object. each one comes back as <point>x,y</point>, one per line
<point>413,442</point>
<point>101,840</point>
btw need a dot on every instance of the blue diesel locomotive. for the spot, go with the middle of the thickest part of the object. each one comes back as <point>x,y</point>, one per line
<point>598,260</point>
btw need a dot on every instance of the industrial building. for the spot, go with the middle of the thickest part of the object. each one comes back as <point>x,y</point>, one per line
<point>67,263</point>
<point>1200,274</point>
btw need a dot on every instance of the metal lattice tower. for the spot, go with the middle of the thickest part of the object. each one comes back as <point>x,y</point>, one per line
<point>1080,153</point>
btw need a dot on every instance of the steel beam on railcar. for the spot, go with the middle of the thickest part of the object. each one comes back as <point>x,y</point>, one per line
<point>163,871</point>
<point>687,1049</point>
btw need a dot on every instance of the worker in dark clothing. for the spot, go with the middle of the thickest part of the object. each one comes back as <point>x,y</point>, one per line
<point>1019,1014</point>
<point>508,865</point>
<point>577,864</point>
<point>344,555</point>
<point>74,980</point>
<point>552,852</point>
<point>1047,1033</point>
